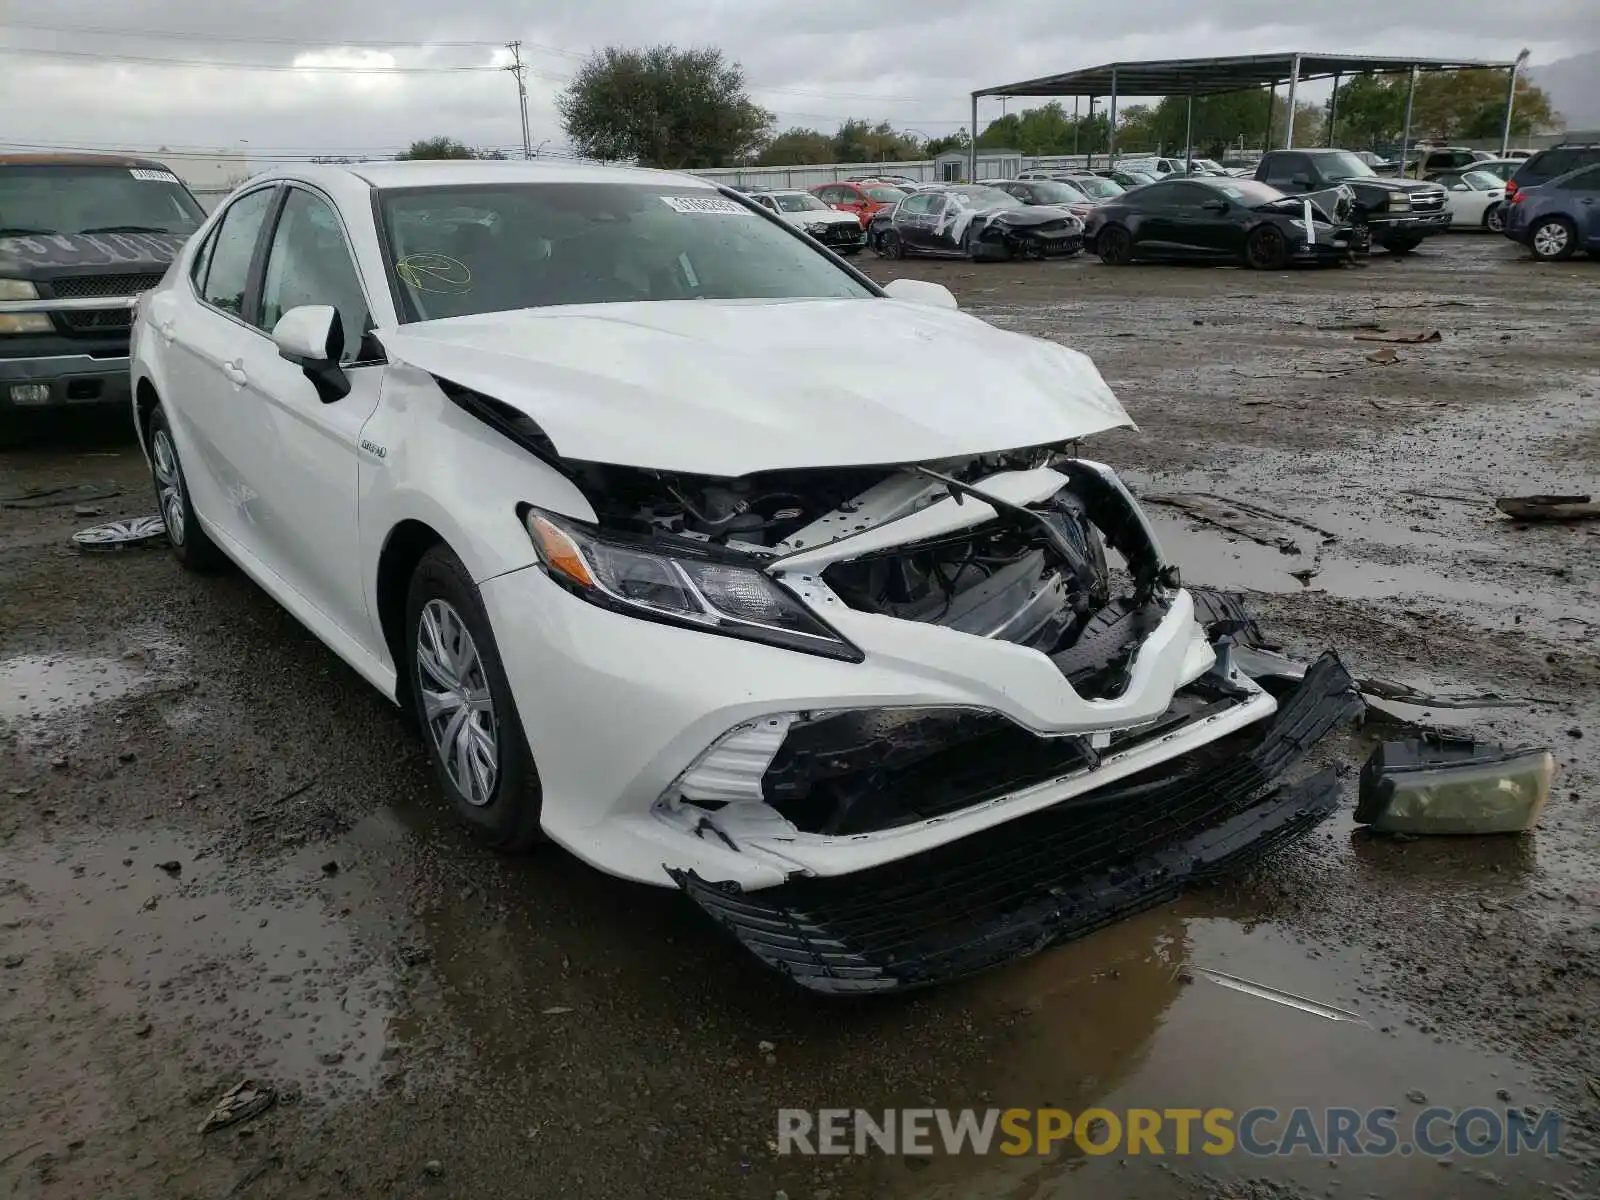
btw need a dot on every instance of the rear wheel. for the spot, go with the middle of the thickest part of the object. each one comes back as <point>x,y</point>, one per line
<point>1553,239</point>
<point>1266,249</point>
<point>1494,218</point>
<point>194,550</point>
<point>463,704</point>
<point>889,245</point>
<point>1115,246</point>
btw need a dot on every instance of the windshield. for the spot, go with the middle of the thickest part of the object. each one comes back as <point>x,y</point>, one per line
<point>1481,181</point>
<point>976,196</point>
<point>1098,187</point>
<point>799,202</point>
<point>538,244</point>
<point>1053,191</point>
<point>57,198</point>
<point>884,193</point>
<point>1341,164</point>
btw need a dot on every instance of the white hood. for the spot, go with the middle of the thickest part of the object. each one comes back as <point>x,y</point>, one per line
<point>820,216</point>
<point>734,387</point>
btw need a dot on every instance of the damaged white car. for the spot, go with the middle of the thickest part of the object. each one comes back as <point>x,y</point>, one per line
<point>697,552</point>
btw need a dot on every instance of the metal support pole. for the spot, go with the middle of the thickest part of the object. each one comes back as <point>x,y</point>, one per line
<point>1405,130</point>
<point>1188,138</point>
<point>1294,84</point>
<point>1112,125</point>
<point>1075,126</point>
<point>1272,99</point>
<point>1333,109</point>
<point>972,146</point>
<point>1511,102</point>
<point>1091,133</point>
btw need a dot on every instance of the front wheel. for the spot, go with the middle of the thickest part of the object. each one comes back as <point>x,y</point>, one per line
<point>1494,218</point>
<point>1401,244</point>
<point>1115,246</point>
<point>1266,249</point>
<point>464,706</point>
<point>1553,239</point>
<point>889,245</point>
<point>190,544</point>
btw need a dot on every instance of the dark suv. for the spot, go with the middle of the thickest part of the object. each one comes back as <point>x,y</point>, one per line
<point>1548,164</point>
<point>80,237</point>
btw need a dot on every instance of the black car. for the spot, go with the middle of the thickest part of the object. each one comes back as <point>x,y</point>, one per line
<point>1396,214</point>
<point>977,222</point>
<point>1223,220</point>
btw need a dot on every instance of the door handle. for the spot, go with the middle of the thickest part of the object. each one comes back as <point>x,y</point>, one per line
<point>235,374</point>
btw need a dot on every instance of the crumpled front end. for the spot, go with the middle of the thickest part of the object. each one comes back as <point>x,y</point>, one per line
<point>1060,237</point>
<point>1056,874</point>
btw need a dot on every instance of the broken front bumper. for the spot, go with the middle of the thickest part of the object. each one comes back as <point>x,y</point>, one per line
<point>1011,890</point>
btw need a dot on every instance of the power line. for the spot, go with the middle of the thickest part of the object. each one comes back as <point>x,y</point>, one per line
<point>241,66</point>
<point>189,35</point>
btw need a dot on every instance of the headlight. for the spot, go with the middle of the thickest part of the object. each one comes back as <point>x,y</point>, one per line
<point>686,586</point>
<point>25,323</point>
<point>1398,200</point>
<point>17,289</point>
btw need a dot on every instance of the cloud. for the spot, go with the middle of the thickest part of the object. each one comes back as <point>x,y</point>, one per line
<point>909,61</point>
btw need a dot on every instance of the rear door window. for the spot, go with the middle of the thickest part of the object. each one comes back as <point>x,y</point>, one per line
<point>1583,181</point>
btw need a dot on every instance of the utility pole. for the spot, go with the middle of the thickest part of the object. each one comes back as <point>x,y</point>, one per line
<point>519,72</point>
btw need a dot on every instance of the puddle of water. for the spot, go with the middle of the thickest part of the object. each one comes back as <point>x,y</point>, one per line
<point>1110,1022</point>
<point>34,685</point>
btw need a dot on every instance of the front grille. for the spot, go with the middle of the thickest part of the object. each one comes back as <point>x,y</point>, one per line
<point>1427,201</point>
<point>95,319</point>
<point>77,287</point>
<point>840,234</point>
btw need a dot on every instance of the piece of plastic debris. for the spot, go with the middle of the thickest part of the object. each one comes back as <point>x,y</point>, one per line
<point>1410,337</point>
<point>556,1010</point>
<point>1442,784</point>
<point>242,1101</point>
<point>1384,357</point>
<point>766,1047</point>
<point>1549,508</point>
<point>1288,999</point>
<point>134,533</point>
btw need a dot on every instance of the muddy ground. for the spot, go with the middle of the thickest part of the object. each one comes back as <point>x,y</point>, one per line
<point>221,855</point>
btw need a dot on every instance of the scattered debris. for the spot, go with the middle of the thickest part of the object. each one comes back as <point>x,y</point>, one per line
<point>330,868</point>
<point>52,497</point>
<point>12,961</point>
<point>1399,693</point>
<point>1288,999</point>
<point>433,1167</point>
<point>766,1047</point>
<point>242,1101</point>
<point>1417,1096</point>
<point>1549,508</point>
<point>133,533</point>
<point>331,1058</point>
<point>1409,337</point>
<point>1260,525</point>
<point>556,1010</point>
<point>174,867</point>
<point>1443,784</point>
<point>1383,357</point>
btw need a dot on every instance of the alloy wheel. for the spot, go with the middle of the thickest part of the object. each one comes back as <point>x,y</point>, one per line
<point>1550,239</point>
<point>169,486</point>
<point>1495,220</point>
<point>458,708</point>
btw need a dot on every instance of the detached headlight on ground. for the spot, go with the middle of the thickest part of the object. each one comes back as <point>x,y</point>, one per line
<point>1443,784</point>
<point>686,586</point>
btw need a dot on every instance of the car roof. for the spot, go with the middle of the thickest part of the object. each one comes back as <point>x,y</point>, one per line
<point>388,173</point>
<point>82,160</point>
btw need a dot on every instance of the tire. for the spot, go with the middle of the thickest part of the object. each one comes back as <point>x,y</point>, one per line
<point>190,544</point>
<point>889,245</point>
<point>479,754</point>
<point>1266,249</point>
<point>1494,218</point>
<point>1553,239</point>
<point>1400,244</point>
<point>1114,245</point>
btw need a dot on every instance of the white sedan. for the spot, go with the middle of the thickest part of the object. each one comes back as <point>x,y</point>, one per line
<point>696,551</point>
<point>839,231</point>
<point>1475,200</point>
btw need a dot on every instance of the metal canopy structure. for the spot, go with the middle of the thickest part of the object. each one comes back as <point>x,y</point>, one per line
<point>1191,77</point>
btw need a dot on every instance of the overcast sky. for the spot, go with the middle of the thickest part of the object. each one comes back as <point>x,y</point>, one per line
<point>813,62</point>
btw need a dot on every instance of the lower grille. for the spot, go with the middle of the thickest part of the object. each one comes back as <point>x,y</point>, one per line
<point>80,286</point>
<point>1010,891</point>
<point>95,319</point>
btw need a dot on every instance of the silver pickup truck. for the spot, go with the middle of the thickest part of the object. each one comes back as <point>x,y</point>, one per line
<point>81,236</point>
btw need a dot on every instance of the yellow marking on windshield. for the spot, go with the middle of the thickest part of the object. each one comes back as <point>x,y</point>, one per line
<point>435,273</point>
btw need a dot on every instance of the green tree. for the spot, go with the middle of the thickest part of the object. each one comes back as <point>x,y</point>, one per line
<point>797,146</point>
<point>1371,111</point>
<point>438,147</point>
<point>1457,104</point>
<point>664,107</point>
<point>959,140</point>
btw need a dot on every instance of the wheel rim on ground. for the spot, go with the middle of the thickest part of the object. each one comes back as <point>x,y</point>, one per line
<point>458,708</point>
<point>1550,238</point>
<point>169,491</point>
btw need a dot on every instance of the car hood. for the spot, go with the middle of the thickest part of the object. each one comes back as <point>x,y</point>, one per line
<point>1379,184</point>
<point>1031,214</point>
<point>730,388</point>
<point>54,253</point>
<point>813,216</point>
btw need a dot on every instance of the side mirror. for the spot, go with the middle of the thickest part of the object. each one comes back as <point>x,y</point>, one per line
<point>312,337</point>
<point>920,291</point>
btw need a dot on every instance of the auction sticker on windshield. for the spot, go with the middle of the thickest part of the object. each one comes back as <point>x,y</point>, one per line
<point>715,205</point>
<point>150,176</point>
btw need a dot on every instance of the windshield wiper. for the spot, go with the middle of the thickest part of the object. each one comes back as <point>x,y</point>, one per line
<point>127,229</point>
<point>24,231</point>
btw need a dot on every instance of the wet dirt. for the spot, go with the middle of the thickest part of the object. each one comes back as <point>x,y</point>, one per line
<point>222,856</point>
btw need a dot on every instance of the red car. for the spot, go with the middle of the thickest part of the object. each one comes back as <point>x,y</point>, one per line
<point>863,199</point>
